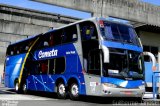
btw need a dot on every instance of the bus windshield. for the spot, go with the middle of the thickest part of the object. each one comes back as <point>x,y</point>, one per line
<point>124,64</point>
<point>119,33</point>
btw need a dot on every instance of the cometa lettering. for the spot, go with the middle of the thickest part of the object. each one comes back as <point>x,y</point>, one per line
<point>51,53</point>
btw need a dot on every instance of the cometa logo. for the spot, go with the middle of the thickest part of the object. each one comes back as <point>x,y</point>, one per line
<point>51,53</point>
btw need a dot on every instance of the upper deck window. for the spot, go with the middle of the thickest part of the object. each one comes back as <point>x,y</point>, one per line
<point>58,37</point>
<point>88,31</point>
<point>19,48</point>
<point>119,33</point>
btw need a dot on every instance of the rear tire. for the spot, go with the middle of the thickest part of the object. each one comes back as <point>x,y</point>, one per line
<point>61,91</point>
<point>24,88</point>
<point>74,91</point>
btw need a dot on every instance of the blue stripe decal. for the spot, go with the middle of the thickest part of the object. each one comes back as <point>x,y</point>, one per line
<point>122,83</point>
<point>121,46</point>
<point>42,84</point>
<point>51,78</point>
<point>34,82</point>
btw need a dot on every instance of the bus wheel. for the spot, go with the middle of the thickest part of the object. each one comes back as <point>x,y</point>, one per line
<point>61,91</point>
<point>24,88</point>
<point>17,89</point>
<point>74,91</point>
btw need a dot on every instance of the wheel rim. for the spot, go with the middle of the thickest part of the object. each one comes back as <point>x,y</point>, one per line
<point>16,87</point>
<point>61,89</point>
<point>74,90</point>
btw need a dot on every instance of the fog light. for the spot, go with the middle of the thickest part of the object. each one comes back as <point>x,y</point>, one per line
<point>107,92</point>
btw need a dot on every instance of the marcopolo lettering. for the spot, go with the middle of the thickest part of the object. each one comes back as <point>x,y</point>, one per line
<point>51,53</point>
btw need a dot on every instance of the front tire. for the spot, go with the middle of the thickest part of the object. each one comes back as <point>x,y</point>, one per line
<point>17,88</point>
<point>61,91</point>
<point>74,91</point>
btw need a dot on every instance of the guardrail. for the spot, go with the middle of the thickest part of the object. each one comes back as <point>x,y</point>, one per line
<point>154,82</point>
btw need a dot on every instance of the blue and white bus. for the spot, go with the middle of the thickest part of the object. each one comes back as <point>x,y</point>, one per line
<point>94,56</point>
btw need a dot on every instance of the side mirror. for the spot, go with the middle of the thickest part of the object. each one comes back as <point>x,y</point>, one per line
<point>154,68</point>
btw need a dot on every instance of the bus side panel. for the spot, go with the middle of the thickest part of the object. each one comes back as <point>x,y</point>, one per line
<point>12,69</point>
<point>31,83</point>
<point>74,70</point>
<point>43,82</point>
<point>12,72</point>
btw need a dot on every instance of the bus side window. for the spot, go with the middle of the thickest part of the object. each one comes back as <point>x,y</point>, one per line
<point>60,65</point>
<point>57,65</point>
<point>12,52</point>
<point>57,37</point>
<point>44,67</point>
<point>33,67</point>
<point>15,51</point>
<point>52,66</point>
<point>70,34</point>
<point>88,31</point>
<point>51,40</point>
<point>64,38</point>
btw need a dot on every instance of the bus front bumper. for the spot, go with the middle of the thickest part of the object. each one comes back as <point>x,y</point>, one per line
<point>122,92</point>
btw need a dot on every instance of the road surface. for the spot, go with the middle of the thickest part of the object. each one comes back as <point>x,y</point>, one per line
<point>9,98</point>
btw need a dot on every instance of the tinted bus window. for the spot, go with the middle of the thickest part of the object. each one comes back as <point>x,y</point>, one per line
<point>69,34</point>
<point>120,33</point>
<point>33,67</point>
<point>88,31</point>
<point>57,37</point>
<point>19,48</point>
<point>43,67</point>
<point>57,65</point>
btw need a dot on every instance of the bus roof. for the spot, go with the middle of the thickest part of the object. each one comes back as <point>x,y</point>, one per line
<point>91,19</point>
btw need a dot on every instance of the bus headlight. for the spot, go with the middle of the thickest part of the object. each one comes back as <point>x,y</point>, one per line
<point>142,87</point>
<point>109,85</point>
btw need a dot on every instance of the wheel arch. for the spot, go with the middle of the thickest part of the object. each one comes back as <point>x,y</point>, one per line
<point>73,80</point>
<point>60,79</point>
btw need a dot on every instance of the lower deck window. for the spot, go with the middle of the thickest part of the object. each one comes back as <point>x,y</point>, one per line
<point>51,66</point>
<point>57,66</point>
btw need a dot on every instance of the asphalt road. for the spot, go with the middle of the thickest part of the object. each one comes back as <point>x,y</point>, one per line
<point>9,98</point>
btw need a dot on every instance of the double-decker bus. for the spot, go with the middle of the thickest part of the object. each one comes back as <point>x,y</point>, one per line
<point>95,56</point>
